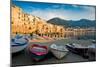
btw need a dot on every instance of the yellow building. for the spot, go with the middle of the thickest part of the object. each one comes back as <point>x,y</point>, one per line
<point>25,23</point>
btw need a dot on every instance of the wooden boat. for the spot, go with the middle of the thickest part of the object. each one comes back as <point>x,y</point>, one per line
<point>58,51</point>
<point>79,49</point>
<point>38,52</point>
<point>18,43</point>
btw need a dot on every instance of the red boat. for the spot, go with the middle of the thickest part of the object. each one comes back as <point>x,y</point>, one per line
<point>38,52</point>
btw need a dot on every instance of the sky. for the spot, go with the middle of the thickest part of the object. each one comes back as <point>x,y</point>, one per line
<point>51,10</point>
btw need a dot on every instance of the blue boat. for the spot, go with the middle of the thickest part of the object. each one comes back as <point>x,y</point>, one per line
<point>18,43</point>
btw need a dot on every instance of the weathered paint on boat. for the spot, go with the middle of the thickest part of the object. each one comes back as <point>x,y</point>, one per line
<point>58,51</point>
<point>36,54</point>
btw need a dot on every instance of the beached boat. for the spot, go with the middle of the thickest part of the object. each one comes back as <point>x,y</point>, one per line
<point>92,49</point>
<point>59,51</point>
<point>75,48</point>
<point>80,50</point>
<point>18,43</point>
<point>38,52</point>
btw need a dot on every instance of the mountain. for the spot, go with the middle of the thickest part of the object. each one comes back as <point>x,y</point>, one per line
<point>82,23</point>
<point>58,21</point>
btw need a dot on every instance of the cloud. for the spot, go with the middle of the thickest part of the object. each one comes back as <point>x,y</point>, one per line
<point>48,14</point>
<point>68,11</point>
<point>79,12</point>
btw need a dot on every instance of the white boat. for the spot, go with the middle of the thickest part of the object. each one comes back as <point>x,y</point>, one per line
<point>18,43</point>
<point>59,51</point>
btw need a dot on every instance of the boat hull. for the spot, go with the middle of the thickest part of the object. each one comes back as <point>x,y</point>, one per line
<point>18,43</point>
<point>15,49</point>
<point>84,52</point>
<point>35,56</point>
<point>59,54</point>
<point>58,51</point>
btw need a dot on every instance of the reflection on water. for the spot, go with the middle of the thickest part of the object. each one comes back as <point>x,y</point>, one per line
<point>74,35</point>
<point>83,35</point>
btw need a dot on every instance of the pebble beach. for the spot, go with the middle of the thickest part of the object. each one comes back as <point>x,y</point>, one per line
<point>23,58</point>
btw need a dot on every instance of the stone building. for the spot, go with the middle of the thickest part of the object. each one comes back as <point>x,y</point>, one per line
<point>23,23</point>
